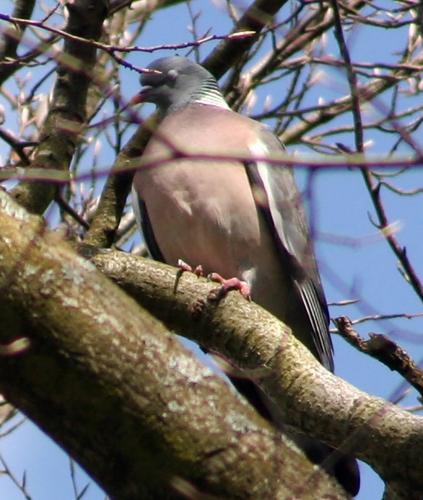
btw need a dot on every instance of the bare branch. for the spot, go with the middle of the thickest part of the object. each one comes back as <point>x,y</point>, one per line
<point>384,350</point>
<point>400,252</point>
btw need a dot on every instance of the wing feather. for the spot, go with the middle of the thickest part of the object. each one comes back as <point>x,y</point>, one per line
<point>279,201</point>
<point>141,215</point>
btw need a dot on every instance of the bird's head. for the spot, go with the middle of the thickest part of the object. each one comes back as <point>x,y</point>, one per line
<point>172,82</point>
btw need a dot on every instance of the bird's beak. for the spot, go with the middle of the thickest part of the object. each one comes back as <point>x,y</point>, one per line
<point>141,96</point>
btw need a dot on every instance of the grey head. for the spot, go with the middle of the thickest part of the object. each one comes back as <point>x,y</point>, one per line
<point>176,81</point>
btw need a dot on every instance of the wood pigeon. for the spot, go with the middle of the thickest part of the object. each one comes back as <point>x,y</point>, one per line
<point>240,219</point>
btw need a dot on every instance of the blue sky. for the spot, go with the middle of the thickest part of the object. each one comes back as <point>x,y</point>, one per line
<point>366,266</point>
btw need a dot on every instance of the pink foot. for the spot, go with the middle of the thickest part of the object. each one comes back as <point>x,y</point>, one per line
<point>184,267</point>
<point>227,285</point>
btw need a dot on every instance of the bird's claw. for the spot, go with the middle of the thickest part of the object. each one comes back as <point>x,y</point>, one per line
<point>227,285</point>
<point>184,267</point>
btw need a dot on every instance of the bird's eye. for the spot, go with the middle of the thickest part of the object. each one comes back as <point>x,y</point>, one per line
<point>172,74</point>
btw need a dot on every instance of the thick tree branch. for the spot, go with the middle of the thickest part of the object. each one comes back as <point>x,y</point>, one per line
<point>60,133</point>
<point>310,398</point>
<point>119,393</point>
<point>102,232</point>
<point>12,37</point>
<point>255,18</point>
